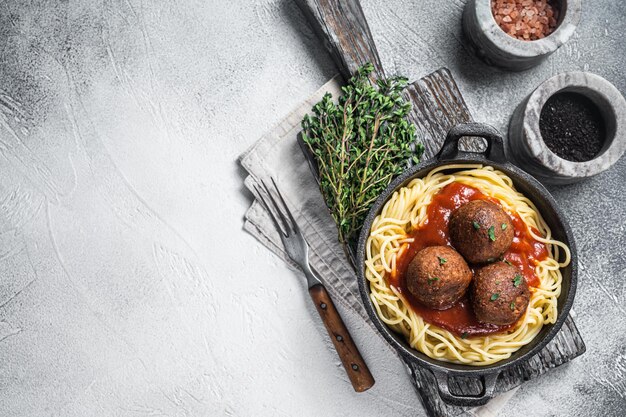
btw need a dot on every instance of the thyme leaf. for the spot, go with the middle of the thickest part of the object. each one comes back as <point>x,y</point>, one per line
<point>360,143</point>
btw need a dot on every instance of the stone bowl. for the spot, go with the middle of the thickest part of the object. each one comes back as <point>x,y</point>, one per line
<point>533,155</point>
<point>496,47</point>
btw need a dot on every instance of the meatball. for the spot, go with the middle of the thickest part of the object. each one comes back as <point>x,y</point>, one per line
<point>438,276</point>
<point>500,294</point>
<point>481,231</point>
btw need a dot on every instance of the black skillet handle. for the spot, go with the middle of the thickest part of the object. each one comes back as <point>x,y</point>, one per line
<point>495,145</point>
<point>489,385</point>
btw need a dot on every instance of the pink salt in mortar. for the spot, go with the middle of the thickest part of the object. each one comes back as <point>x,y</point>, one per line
<point>516,35</point>
<point>526,20</point>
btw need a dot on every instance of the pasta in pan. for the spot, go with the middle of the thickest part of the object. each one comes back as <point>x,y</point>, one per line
<point>393,232</point>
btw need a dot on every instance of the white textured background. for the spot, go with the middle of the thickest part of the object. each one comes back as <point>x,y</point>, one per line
<point>127,287</point>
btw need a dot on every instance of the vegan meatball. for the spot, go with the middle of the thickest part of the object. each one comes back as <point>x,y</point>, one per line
<point>438,276</point>
<point>500,294</point>
<point>481,231</point>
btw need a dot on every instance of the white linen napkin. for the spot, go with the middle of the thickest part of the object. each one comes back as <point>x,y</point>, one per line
<point>278,155</point>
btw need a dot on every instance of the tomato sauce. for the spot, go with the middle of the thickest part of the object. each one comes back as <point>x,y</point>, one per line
<point>524,254</point>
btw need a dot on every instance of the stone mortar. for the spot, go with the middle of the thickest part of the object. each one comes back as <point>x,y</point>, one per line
<point>497,48</point>
<point>531,152</point>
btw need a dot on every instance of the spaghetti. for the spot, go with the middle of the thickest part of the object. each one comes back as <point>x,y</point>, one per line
<point>392,234</point>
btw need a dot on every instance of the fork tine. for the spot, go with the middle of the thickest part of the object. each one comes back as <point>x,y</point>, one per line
<point>271,210</point>
<point>288,225</point>
<point>293,221</point>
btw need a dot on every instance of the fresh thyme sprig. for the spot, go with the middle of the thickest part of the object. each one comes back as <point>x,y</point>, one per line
<point>360,144</point>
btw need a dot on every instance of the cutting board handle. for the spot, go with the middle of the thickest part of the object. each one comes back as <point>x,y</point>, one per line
<point>343,27</point>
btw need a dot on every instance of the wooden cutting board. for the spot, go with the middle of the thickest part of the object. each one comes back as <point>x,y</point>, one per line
<point>437,106</point>
<point>437,101</point>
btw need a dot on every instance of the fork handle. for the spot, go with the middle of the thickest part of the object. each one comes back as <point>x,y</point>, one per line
<point>351,358</point>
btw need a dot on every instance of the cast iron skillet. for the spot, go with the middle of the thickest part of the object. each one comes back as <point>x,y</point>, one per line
<point>495,156</point>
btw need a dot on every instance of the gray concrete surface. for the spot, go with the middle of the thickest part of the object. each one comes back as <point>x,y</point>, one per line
<point>127,287</point>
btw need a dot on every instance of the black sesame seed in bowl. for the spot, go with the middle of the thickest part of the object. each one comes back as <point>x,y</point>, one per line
<point>572,127</point>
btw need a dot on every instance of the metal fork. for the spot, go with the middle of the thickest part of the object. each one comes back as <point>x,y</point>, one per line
<point>298,250</point>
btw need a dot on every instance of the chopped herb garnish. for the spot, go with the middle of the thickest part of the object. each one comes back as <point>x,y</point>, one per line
<point>491,259</point>
<point>503,226</point>
<point>464,335</point>
<point>433,279</point>
<point>494,296</point>
<point>492,233</point>
<point>506,261</point>
<point>512,306</point>
<point>476,225</point>
<point>442,260</point>
<point>497,282</point>
<point>517,280</point>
